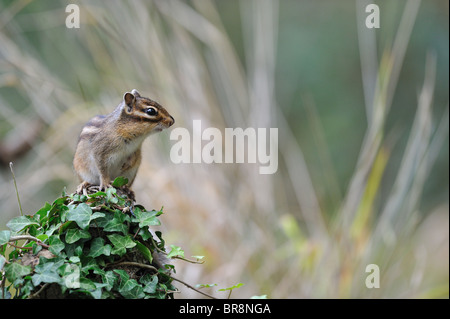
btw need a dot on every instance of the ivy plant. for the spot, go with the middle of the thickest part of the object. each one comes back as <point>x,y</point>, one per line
<point>97,245</point>
<point>94,245</point>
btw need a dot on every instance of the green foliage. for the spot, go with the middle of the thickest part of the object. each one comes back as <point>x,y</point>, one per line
<point>230,289</point>
<point>120,181</point>
<point>4,236</point>
<point>121,243</point>
<point>176,251</point>
<point>15,271</point>
<point>146,218</point>
<point>205,285</point>
<point>82,215</point>
<point>94,246</point>
<point>97,245</point>
<point>19,223</point>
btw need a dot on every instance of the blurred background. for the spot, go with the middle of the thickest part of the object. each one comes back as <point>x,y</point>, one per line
<point>362,116</point>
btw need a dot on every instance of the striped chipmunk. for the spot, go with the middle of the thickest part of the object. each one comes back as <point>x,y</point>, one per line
<point>110,145</point>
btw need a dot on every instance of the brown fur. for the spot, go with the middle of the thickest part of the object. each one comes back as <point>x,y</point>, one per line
<point>110,146</point>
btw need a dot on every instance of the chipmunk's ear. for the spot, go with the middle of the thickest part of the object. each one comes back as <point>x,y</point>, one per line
<point>135,93</point>
<point>129,100</point>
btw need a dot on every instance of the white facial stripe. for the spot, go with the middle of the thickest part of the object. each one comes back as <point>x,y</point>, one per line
<point>142,113</point>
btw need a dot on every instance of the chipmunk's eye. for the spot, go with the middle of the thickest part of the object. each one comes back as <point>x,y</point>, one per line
<point>151,111</point>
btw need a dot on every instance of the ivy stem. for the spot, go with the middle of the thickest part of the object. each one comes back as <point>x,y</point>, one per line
<point>132,263</point>
<point>36,295</point>
<point>28,237</point>
<point>189,260</point>
<point>134,237</point>
<point>195,289</point>
<point>19,247</point>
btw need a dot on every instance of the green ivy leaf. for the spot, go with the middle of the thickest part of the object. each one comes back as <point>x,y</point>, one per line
<point>74,259</point>
<point>121,243</point>
<point>98,194</point>
<point>43,212</point>
<point>15,271</point>
<point>122,275</point>
<point>109,279</point>
<point>150,282</point>
<point>52,229</point>
<point>232,287</point>
<point>161,292</point>
<point>59,201</point>
<point>97,293</point>
<point>80,198</point>
<point>98,248</point>
<point>42,237</point>
<point>74,234</point>
<point>145,251</point>
<point>82,215</point>
<point>132,290</point>
<point>19,223</point>
<point>198,257</point>
<point>205,285</point>
<point>111,195</point>
<point>56,244</point>
<point>78,251</point>
<point>87,284</point>
<point>57,206</point>
<point>70,274</point>
<point>96,215</point>
<point>4,237</point>
<point>176,251</point>
<point>46,273</point>
<point>120,181</point>
<point>145,218</point>
<point>117,223</point>
<point>145,233</point>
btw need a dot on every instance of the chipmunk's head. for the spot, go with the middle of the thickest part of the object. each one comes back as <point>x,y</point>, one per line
<point>149,115</point>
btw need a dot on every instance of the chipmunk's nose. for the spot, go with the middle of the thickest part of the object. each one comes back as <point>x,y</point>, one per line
<point>173,120</point>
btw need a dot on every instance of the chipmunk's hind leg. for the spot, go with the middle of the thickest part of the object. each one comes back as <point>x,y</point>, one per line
<point>82,188</point>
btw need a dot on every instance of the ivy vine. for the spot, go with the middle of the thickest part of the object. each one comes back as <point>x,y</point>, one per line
<point>98,245</point>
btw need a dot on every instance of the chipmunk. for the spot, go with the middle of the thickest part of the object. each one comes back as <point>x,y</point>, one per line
<point>110,145</point>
